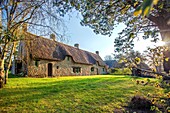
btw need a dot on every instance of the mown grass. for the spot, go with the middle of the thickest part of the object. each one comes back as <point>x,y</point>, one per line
<point>70,94</point>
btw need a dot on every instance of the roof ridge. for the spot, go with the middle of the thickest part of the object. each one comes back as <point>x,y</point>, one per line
<point>77,48</point>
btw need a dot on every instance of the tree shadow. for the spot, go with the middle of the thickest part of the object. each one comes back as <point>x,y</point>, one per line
<point>10,75</point>
<point>77,92</point>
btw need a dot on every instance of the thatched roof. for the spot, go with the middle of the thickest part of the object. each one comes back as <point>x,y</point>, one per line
<point>43,48</point>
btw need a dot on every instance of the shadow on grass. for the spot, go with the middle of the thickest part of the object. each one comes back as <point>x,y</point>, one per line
<point>10,75</point>
<point>74,94</point>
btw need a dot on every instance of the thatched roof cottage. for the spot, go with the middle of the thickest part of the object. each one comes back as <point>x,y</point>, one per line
<point>42,57</point>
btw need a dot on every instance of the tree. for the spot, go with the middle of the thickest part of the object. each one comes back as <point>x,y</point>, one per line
<point>104,15</point>
<point>155,57</point>
<point>16,16</point>
<point>108,57</point>
<point>131,59</point>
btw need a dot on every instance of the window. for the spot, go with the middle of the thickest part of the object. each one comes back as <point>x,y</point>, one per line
<point>77,69</point>
<point>103,69</point>
<point>21,50</point>
<point>92,69</point>
<point>68,58</point>
<point>30,55</point>
<point>57,67</point>
<point>37,63</point>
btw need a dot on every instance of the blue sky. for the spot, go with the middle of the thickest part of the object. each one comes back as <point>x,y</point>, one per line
<point>92,42</point>
<point>87,39</point>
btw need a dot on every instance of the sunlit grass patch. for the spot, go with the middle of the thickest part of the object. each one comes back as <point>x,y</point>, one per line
<point>102,93</point>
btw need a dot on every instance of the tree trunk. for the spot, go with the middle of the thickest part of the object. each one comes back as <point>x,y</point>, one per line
<point>1,74</point>
<point>9,61</point>
<point>1,79</point>
<point>166,64</point>
<point>2,60</point>
<point>165,35</point>
<point>166,38</point>
<point>157,69</point>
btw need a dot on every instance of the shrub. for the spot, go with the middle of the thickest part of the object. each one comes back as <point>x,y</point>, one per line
<point>140,103</point>
<point>121,71</point>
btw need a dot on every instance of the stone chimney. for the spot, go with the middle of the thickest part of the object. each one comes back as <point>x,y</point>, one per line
<point>52,37</point>
<point>76,45</point>
<point>97,52</point>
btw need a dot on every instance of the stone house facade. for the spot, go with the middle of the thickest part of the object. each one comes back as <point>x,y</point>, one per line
<point>42,57</point>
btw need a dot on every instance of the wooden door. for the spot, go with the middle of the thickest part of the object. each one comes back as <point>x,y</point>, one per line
<point>50,71</point>
<point>97,71</point>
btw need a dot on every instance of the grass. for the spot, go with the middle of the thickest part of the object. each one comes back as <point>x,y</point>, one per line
<point>70,94</point>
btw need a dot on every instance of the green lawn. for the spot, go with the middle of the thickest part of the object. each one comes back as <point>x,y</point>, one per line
<point>70,94</point>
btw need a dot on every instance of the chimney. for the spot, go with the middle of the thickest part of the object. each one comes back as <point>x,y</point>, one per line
<point>76,45</point>
<point>52,37</point>
<point>97,52</point>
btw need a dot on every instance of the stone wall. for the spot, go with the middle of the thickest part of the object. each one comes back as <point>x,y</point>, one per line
<point>62,68</point>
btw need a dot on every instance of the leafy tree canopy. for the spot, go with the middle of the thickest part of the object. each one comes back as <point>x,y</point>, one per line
<point>104,15</point>
<point>155,58</point>
<point>131,59</point>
